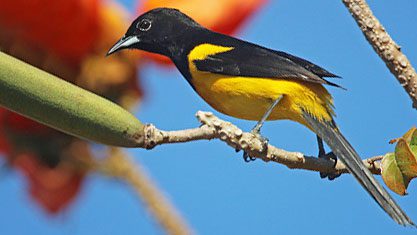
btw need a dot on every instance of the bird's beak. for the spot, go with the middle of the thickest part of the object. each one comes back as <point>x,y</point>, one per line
<point>124,42</point>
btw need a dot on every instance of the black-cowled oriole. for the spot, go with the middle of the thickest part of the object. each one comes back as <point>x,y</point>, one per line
<point>251,82</point>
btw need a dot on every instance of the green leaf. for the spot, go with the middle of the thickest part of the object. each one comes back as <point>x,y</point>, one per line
<point>413,138</point>
<point>391,174</point>
<point>406,160</point>
<point>399,168</point>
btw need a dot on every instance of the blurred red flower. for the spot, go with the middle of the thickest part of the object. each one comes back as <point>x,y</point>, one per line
<point>65,28</point>
<point>53,188</point>
<point>4,145</point>
<point>70,39</point>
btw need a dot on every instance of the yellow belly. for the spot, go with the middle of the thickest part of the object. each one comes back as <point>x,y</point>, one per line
<point>249,98</point>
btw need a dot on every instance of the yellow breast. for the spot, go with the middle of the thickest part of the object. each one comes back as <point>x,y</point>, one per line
<point>250,97</point>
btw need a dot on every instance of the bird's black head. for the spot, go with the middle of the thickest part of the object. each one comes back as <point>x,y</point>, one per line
<point>159,31</point>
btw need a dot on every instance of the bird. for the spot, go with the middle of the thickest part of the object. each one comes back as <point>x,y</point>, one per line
<point>248,81</point>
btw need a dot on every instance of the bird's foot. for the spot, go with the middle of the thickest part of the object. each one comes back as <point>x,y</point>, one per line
<point>328,156</point>
<point>248,158</point>
<point>256,131</point>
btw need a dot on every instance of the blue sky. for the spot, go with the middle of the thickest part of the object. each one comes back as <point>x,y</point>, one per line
<point>210,184</point>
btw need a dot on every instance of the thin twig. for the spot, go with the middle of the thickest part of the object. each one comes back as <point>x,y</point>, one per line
<point>384,46</point>
<point>215,128</point>
<point>119,165</point>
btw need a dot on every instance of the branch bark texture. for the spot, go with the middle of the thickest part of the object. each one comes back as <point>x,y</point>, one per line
<point>215,128</point>
<point>384,46</point>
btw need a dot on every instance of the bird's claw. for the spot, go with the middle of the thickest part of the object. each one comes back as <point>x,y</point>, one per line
<point>328,156</point>
<point>264,141</point>
<point>248,158</point>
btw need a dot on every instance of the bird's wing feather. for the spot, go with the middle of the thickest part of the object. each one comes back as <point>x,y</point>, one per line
<point>250,60</point>
<point>319,71</point>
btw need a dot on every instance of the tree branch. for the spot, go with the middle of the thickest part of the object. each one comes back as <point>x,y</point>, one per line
<point>215,128</point>
<point>384,46</point>
<point>119,165</point>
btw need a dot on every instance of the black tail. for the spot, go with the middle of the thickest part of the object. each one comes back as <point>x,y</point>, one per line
<point>345,152</point>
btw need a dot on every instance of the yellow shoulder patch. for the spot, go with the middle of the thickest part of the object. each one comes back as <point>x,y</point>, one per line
<point>202,51</point>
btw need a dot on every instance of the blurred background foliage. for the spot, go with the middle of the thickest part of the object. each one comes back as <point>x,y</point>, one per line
<point>69,39</point>
<point>213,190</point>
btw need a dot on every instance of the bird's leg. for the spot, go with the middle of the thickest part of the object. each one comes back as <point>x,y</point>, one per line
<point>327,156</point>
<point>256,130</point>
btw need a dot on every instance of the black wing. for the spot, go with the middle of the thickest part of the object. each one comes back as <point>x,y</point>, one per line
<point>250,60</point>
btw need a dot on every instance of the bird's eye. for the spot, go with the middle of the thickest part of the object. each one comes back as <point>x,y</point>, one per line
<point>144,25</point>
